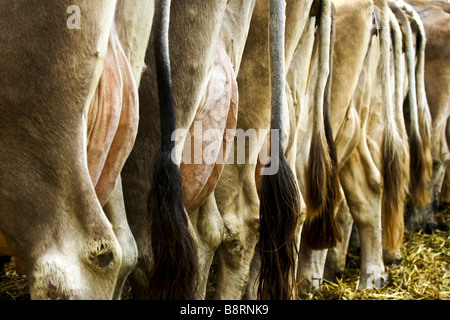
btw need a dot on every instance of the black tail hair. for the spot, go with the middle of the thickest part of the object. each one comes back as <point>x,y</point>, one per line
<point>174,250</point>
<point>280,197</point>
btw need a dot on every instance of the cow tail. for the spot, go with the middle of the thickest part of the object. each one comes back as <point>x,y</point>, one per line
<point>280,196</point>
<point>173,246</point>
<point>416,185</point>
<point>421,179</point>
<point>321,229</point>
<point>394,154</point>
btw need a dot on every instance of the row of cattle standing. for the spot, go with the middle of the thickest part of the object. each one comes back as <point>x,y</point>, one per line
<point>160,135</point>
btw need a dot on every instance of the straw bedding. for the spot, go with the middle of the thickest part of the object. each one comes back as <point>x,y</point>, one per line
<point>422,275</point>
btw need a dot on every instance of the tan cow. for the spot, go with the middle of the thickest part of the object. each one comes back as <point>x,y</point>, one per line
<point>435,18</point>
<point>178,227</point>
<point>56,173</point>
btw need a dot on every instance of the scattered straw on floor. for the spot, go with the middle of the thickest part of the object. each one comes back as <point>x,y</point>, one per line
<point>422,275</point>
<point>12,285</point>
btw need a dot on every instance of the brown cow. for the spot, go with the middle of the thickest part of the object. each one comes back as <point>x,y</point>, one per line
<point>55,179</point>
<point>174,248</point>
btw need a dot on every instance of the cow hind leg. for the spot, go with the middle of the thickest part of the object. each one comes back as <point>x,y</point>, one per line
<point>251,292</point>
<point>362,187</point>
<point>209,228</point>
<point>234,259</point>
<point>115,211</point>
<point>336,257</point>
<point>311,268</point>
<point>236,252</point>
<point>329,264</point>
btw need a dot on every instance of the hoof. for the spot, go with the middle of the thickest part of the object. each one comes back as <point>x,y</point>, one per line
<point>3,261</point>
<point>443,206</point>
<point>430,227</point>
<point>374,282</point>
<point>339,275</point>
<point>305,288</point>
<point>384,279</point>
<point>380,282</point>
<point>392,257</point>
<point>395,262</point>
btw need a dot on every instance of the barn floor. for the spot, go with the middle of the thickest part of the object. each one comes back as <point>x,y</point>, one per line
<point>423,274</point>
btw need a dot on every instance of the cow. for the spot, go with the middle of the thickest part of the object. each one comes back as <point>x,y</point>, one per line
<point>169,202</point>
<point>69,105</point>
<point>434,16</point>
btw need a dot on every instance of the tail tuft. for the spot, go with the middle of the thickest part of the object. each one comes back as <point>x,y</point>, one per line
<point>279,215</point>
<point>173,246</point>
<point>394,193</point>
<point>321,229</point>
